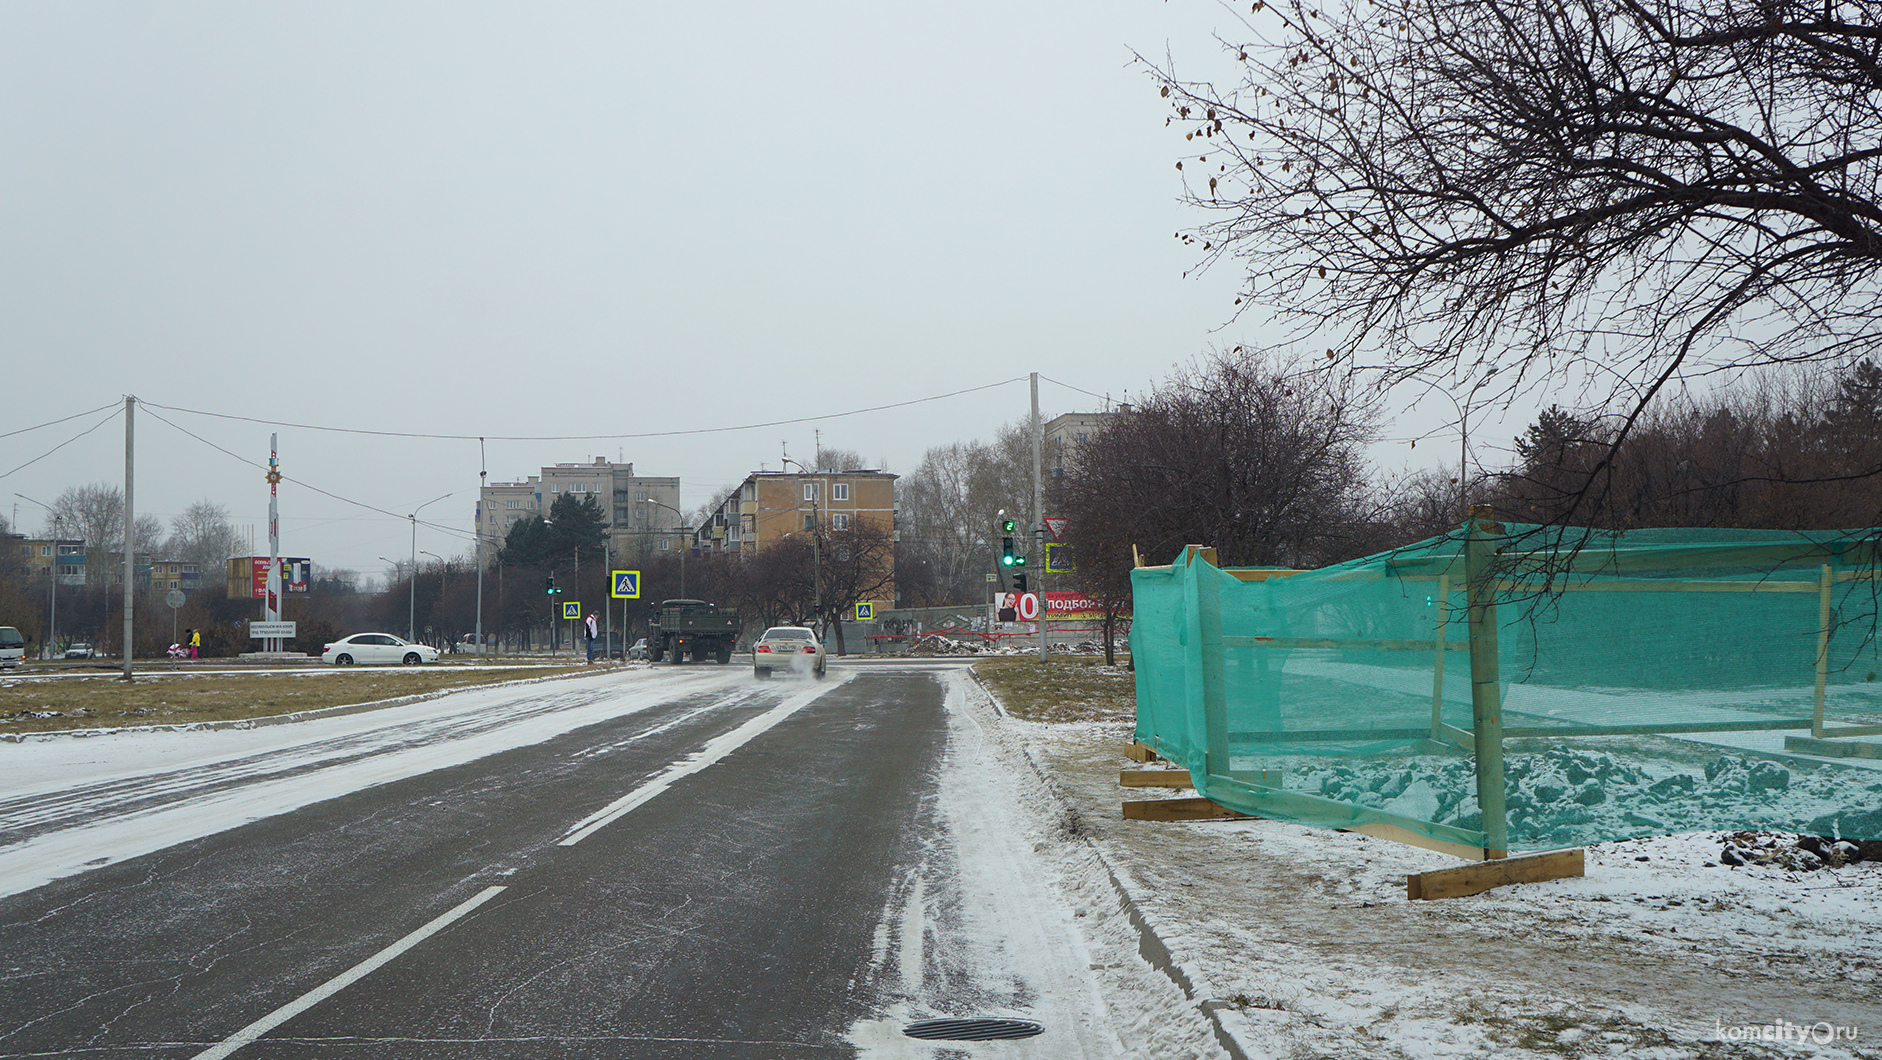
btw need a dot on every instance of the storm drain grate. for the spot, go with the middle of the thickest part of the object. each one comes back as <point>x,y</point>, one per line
<point>972,1030</point>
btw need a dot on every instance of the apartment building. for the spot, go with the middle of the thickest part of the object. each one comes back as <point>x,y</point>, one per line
<point>641,511</point>
<point>41,557</point>
<point>1065,434</point>
<point>772,505</point>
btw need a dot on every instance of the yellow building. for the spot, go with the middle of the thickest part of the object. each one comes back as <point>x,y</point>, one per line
<point>770,506</point>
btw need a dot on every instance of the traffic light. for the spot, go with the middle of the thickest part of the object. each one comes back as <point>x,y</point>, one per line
<point>1006,527</point>
<point>1006,552</point>
<point>548,585</point>
<point>1019,582</point>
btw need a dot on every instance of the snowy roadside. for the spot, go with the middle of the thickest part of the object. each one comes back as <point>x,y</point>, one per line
<point>1301,943</point>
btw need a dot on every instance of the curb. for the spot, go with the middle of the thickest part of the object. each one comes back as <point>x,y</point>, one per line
<point>1150,945</point>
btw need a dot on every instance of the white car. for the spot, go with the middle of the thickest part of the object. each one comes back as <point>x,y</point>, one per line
<point>787,648</point>
<point>368,648</point>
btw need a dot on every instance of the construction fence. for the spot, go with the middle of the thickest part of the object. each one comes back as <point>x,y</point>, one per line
<point>1515,687</point>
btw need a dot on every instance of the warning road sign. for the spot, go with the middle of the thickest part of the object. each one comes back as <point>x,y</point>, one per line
<point>571,610</point>
<point>626,585</point>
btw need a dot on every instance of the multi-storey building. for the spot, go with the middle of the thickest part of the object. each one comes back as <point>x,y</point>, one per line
<point>40,557</point>
<point>168,574</point>
<point>641,511</point>
<point>1065,434</point>
<point>770,506</point>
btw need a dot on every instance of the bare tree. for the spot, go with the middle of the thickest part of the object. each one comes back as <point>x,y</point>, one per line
<point>203,535</point>
<point>1233,451</point>
<point>1622,194</point>
<point>948,508</point>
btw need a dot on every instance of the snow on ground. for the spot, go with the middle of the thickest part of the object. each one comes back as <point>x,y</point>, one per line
<point>124,793</point>
<point>1301,942</point>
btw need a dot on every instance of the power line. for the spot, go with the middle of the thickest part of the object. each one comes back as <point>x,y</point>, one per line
<point>580,437</point>
<point>62,419</point>
<point>115,409</point>
<point>308,485</point>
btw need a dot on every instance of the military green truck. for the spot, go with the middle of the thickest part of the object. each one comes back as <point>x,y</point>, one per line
<point>692,628</point>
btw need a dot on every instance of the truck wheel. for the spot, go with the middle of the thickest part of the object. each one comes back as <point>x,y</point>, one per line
<point>725,652</point>
<point>654,649</point>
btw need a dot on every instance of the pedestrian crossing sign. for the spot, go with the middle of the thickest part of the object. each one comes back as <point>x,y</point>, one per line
<point>626,585</point>
<point>571,610</point>
<point>865,612</point>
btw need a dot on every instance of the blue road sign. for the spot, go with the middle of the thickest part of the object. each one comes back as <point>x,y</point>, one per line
<point>571,610</point>
<point>626,585</point>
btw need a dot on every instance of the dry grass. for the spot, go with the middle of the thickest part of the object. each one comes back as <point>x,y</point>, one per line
<point>1066,689</point>
<point>158,697</point>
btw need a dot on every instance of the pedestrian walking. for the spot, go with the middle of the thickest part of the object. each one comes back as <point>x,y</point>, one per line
<point>592,633</point>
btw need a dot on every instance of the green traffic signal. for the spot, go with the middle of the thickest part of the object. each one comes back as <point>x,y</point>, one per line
<point>1006,527</point>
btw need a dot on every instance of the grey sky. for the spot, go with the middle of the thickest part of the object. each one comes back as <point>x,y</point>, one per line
<point>532,219</point>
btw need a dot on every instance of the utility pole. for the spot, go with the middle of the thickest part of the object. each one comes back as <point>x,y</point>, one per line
<point>477,549</point>
<point>1037,530</point>
<point>130,551</point>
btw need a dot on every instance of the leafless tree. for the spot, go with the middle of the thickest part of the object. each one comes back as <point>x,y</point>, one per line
<point>203,535</point>
<point>949,506</point>
<point>1626,195</point>
<point>1233,451</point>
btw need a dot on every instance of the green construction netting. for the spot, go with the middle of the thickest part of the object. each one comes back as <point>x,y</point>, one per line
<point>1645,683</point>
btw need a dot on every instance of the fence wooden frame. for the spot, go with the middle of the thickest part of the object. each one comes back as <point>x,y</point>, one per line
<point>1484,583</point>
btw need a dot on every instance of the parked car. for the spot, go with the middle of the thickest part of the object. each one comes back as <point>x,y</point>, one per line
<point>80,650</point>
<point>788,648</point>
<point>638,650</point>
<point>12,647</point>
<point>369,648</point>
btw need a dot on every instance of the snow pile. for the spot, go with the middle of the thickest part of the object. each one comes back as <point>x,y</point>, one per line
<point>1565,796</point>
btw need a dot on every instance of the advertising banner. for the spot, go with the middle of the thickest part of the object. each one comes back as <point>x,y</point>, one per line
<point>1074,606</point>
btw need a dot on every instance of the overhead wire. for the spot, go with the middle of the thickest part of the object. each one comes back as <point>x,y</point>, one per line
<point>115,409</point>
<point>310,486</point>
<point>584,437</point>
<point>62,419</point>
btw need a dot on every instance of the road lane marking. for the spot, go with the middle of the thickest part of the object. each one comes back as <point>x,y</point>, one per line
<point>716,749</point>
<point>345,979</point>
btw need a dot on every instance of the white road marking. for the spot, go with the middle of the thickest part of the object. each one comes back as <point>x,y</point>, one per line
<point>345,979</point>
<point>716,749</point>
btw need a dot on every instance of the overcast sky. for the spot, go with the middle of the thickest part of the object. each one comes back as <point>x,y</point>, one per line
<point>566,219</point>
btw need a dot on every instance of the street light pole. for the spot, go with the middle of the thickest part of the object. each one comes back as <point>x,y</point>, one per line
<point>52,624</point>
<point>683,550</point>
<point>816,547</point>
<point>411,614</point>
<point>440,560</point>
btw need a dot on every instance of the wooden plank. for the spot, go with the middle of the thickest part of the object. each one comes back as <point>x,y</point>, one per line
<point>1833,748</point>
<point>1155,778</point>
<point>1315,735</point>
<point>1258,574</point>
<point>1347,643</point>
<point>1181,810</point>
<point>1854,730</point>
<point>1478,878</point>
<point>1382,830</point>
<point>1652,729</point>
<point>1137,752</point>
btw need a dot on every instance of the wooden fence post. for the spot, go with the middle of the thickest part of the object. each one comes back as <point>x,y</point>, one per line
<point>1486,697</point>
<point>1437,665</point>
<point>1215,702</point>
<point>1823,649</point>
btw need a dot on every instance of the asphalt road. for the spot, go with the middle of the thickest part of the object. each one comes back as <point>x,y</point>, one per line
<point>744,869</point>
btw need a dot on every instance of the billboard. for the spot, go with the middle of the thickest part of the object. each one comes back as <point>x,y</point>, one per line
<point>248,576</point>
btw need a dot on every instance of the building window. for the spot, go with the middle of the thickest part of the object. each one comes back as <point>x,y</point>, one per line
<point>839,491</point>
<point>666,544</point>
<point>839,521</point>
<point>810,492</point>
<point>810,521</point>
